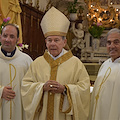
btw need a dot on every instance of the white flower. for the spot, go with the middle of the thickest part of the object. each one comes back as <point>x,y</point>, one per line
<point>26,46</point>
<point>22,46</point>
<point>21,49</point>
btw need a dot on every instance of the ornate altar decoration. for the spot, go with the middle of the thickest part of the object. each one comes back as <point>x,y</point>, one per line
<point>106,13</point>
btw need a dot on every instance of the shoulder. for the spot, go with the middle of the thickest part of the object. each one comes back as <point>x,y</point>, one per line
<point>106,62</point>
<point>76,62</point>
<point>76,59</point>
<point>25,56</point>
<point>38,60</point>
<point>38,63</point>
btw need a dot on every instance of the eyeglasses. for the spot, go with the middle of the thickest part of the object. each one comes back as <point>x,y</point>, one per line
<point>115,42</point>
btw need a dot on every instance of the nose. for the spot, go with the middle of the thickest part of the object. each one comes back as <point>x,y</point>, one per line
<point>53,42</point>
<point>7,38</point>
<point>112,44</point>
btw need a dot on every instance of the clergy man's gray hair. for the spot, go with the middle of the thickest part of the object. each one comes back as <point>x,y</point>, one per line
<point>114,30</point>
<point>63,37</point>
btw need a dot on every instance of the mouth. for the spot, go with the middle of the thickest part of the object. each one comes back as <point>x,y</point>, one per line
<point>7,44</point>
<point>112,51</point>
<point>53,49</point>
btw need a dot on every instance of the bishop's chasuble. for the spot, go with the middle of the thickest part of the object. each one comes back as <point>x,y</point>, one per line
<point>105,101</point>
<point>12,70</point>
<point>68,70</point>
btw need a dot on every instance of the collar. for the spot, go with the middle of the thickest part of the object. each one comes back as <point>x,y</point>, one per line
<point>58,55</point>
<point>8,54</point>
<point>117,60</point>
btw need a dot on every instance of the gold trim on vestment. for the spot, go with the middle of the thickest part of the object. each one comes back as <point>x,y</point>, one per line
<point>54,67</point>
<point>69,100</point>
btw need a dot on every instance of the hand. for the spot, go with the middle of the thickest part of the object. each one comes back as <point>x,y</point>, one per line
<point>53,87</point>
<point>8,93</point>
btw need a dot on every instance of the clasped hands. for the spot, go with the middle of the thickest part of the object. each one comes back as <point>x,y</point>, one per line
<point>53,87</point>
<point>8,93</point>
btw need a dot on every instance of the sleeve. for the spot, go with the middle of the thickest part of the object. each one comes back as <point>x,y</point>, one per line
<point>31,91</point>
<point>1,90</point>
<point>80,93</point>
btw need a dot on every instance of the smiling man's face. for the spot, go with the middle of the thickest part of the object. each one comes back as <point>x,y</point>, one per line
<point>113,45</point>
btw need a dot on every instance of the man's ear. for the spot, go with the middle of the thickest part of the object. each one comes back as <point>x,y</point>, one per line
<point>18,39</point>
<point>45,40</point>
<point>65,42</point>
<point>66,47</point>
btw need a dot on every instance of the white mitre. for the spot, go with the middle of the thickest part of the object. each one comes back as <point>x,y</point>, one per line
<point>54,22</point>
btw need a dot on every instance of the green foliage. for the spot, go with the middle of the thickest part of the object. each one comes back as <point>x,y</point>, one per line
<point>74,6</point>
<point>96,30</point>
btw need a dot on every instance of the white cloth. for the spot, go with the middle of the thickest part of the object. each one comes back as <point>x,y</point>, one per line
<point>105,101</point>
<point>56,56</point>
<point>11,73</point>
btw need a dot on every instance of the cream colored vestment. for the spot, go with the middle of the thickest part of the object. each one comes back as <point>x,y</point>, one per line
<point>105,101</point>
<point>70,72</point>
<point>12,70</point>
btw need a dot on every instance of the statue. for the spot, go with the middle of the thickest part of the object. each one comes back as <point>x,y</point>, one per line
<point>78,41</point>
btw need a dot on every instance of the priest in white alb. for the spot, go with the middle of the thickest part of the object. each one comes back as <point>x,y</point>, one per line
<point>105,101</point>
<point>13,66</point>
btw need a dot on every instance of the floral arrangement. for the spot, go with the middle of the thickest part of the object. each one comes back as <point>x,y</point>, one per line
<point>22,46</point>
<point>96,30</point>
<point>19,45</point>
<point>5,21</point>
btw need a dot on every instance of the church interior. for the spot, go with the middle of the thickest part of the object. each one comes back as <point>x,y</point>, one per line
<point>84,15</point>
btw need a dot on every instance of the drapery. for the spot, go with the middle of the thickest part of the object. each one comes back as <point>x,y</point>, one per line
<point>11,8</point>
